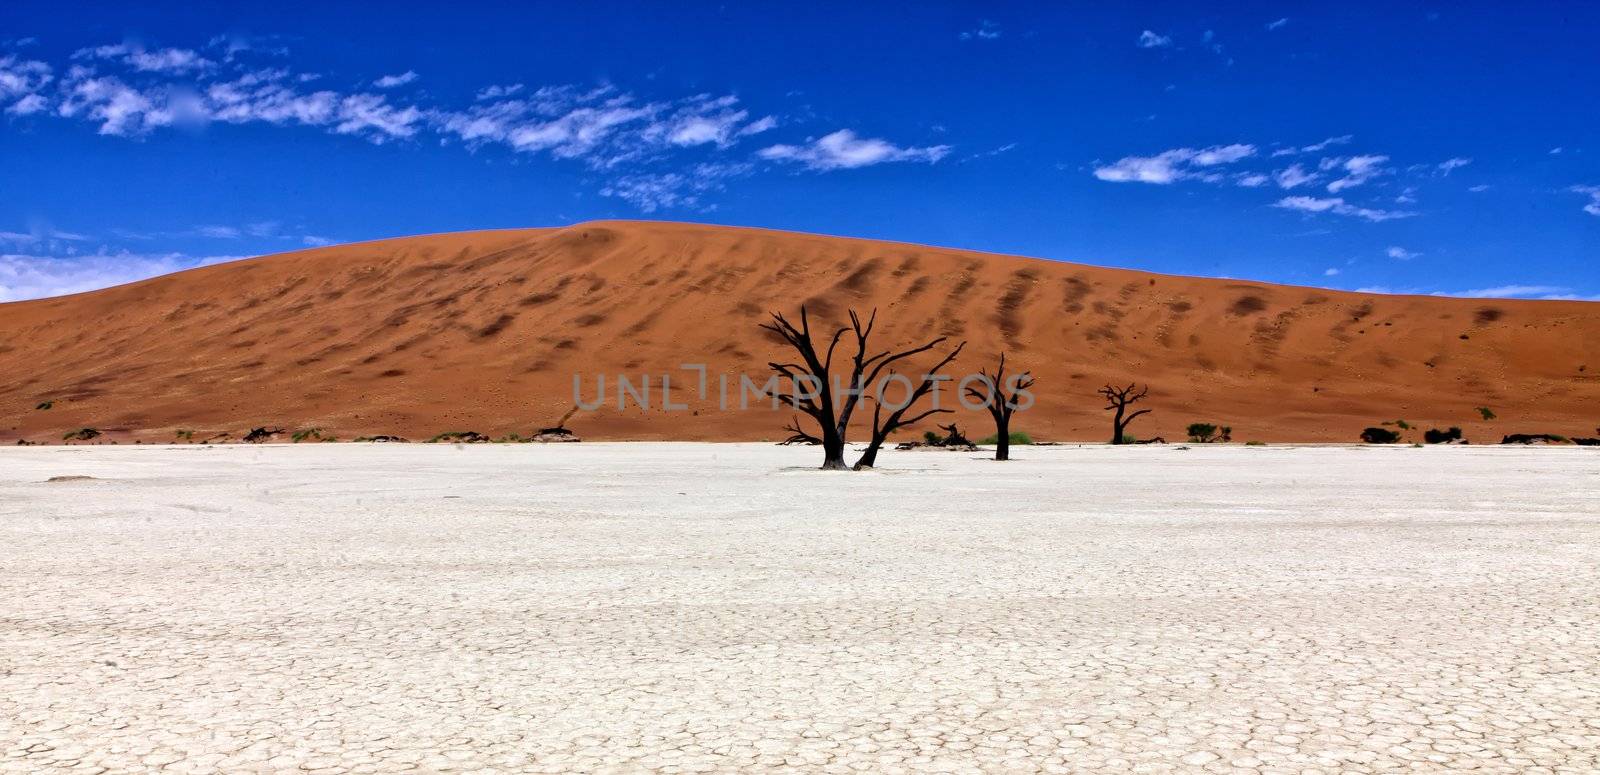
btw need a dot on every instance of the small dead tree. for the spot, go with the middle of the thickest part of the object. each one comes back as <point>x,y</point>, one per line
<point>882,425</point>
<point>813,378</point>
<point>953,437</point>
<point>1001,404</point>
<point>1120,399</point>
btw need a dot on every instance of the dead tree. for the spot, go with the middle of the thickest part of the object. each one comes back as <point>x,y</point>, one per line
<point>882,425</point>
<point>1121,399</point>
<point>1001,404</point>
<point>561,424</point>
<point>953,437</point>
<point>813,378</point>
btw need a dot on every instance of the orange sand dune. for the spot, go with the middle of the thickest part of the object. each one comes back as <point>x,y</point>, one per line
<point>483,331</point>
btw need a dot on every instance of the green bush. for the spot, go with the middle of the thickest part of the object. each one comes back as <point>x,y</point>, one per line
<point>43,405</point>
<point>1486,413</point>
<point>1202,432</point>
<point>1017,437</point>
<point>81,434</point>
<point>1128,438</point>
<point>1255,444</point>
<point>930,437</point>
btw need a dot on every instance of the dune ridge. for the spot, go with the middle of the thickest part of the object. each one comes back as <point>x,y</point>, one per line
<point>484,331</point>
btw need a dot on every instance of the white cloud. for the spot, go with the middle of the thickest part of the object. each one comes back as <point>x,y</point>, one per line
<point>1556,151</point>
<point>1174,165</point>
<point>400,79</point>
<point>1330,272</point>
<point>1275,25</point>
<point>33,277</point>
<point>313,241</point>
<point>758,126</point>
<point>1338,206</point>
<point>371,116</point>
<point>1316,147</point>
<point>1480,188</point>
<point>1511,291</point>
<point>176,61</point>
<point>1149,39</point>
<point>1593,192</point>
<point>1253,180</point>
<point>1450,164</point>
<point>1358,170</point>
<point>987,30</point>
<point>20,83</point>
<point>218,232</point>
<point>28,106</point>
<point>1401,253</point>
<point>654,192</point>
<point>1293,176</point>
<point>843,150</point>
<point>498,91</point>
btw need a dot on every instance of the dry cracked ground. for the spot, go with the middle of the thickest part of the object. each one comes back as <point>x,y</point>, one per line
<point>699,608</point>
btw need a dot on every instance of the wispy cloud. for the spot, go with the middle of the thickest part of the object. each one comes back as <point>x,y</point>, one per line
<point>844,150</point>
<point>1174,165</point>
<point>1357,170</point>
<point>1452,164</point>
<point>1278,24</point>
<point>986,30</point>
<point>177,61</point>
<point>1530,291</point>
<point>24,276</point>
<point>1294,176</point>
<point>1513,291</point>
<point>1325,144</point>
<point>1337,206</point>
<point>1149,39</point>
<point>1401,253</point>
<point>498,91</point>
<point>129,91</point>
<point>393,81</point>
<point>1593,192</point>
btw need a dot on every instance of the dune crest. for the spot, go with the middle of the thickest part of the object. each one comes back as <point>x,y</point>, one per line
<point>483,331</point>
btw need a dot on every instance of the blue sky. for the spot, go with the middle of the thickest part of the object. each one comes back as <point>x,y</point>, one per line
<point>1409,147</point>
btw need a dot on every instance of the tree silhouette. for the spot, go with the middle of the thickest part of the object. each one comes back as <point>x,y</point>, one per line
<point>1120,399</point>
<point>813,377</point>
<point>1000,404</point>
<point>883,426</point>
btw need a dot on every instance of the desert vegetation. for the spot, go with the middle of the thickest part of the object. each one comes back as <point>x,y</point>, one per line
<point>1436,436</point>
<point>1207,433</point>
<point>1379,435</point>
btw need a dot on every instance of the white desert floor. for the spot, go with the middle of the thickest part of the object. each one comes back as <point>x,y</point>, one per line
<point>697,607</point>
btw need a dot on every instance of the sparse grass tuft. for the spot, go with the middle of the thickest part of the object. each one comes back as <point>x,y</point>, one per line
<point>81,434</point>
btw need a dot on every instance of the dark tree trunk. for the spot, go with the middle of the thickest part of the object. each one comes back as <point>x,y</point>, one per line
<point>869,458</point>
<point>1116,427</point>
<point>1002,444</point>
<point>833,451</point>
